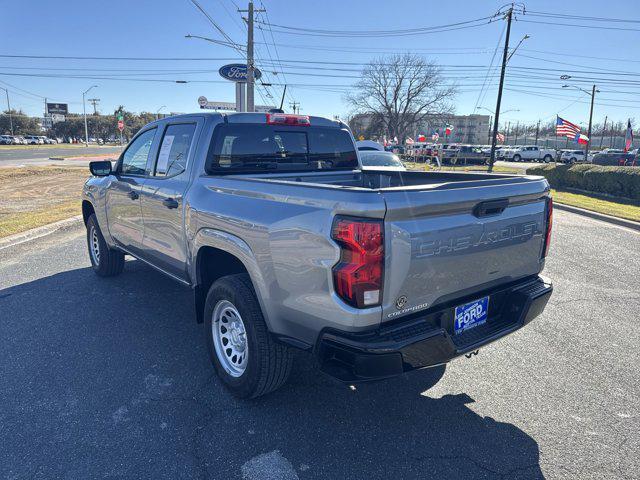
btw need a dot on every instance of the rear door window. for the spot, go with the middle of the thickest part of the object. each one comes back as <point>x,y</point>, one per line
<point>174,150</point>
<point>238,148</point>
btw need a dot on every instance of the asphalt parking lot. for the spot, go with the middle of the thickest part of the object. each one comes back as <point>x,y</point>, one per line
<point>109,378</point>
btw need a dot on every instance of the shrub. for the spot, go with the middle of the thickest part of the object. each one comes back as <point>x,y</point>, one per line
<point>618,181</point>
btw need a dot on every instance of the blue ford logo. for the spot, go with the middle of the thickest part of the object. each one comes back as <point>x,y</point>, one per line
<point>237,72</point>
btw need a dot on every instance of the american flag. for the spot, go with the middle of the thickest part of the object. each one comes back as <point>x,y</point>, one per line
<point>566,129</point>
<point>500,137</point>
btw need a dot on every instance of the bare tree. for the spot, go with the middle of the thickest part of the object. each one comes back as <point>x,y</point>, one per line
<point>402,90</point>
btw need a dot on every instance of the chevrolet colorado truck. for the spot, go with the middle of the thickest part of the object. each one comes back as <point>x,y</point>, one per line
<point>288,244</point>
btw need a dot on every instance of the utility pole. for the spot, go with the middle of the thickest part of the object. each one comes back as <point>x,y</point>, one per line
<point>506,134</point>
<point>295,106</point>
<point>537,131</point>
<point>517,130</point>
<point>94,102</point>
<point>283,93</point>
<point>9,110</point>
<point>250,62</point>
<point>505,54</point>
<point>604,130</point>
<point>586,147</point>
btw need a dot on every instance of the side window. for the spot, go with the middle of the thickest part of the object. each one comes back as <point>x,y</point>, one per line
<point>134,160</point>
<point>174,149</point>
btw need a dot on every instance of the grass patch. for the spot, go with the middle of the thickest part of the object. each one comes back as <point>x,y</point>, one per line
<point>31,197</point>
<point>19,222</point>
<point>462,168</point>
<point>620,209</point>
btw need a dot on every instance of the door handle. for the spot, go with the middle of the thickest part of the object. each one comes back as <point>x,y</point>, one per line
<point>133,195</point>
<point>170,203</point>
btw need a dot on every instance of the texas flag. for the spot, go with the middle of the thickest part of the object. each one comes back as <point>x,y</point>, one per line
<point>628,137</point>
<point>422,138</point>
<point>581,139</point>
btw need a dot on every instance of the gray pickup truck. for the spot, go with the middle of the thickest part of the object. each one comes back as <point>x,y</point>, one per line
<point>288,244</point>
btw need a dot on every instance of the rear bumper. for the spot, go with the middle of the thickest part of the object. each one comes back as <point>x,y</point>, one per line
<point>427,339</point>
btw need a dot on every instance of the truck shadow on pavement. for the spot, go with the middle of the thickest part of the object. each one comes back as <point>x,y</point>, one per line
<point>110,378</point>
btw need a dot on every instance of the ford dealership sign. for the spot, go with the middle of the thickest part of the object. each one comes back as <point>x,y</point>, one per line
<point>237,72</point>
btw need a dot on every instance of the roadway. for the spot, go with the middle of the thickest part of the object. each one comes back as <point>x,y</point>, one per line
<point>15,155</point>
<point>109,378</point>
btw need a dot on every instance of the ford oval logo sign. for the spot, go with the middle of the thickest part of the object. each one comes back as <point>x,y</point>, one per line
<point>237,72</point>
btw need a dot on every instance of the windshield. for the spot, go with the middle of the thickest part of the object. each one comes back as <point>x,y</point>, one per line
<point>240,148</point>
<point>380,159</point>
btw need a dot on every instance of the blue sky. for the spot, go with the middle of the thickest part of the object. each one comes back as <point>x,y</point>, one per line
<point>157,28</point>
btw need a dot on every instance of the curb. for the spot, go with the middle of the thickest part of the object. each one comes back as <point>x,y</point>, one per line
<point>599,216</point>
<point>38,232</point>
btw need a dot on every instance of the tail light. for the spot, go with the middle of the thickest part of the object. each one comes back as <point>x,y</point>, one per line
<point>286,119</point>
<point>547,238</point>
<point>357,277</point>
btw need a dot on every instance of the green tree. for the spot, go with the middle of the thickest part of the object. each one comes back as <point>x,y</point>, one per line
<point>22,124</point>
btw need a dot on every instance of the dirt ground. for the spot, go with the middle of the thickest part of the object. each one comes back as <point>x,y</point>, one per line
<point>34,196</point>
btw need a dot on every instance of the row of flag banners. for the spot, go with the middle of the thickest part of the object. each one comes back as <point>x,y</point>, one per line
<point>564,128</point>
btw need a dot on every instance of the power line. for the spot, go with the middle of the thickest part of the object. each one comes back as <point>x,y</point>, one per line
<point>380,33</point>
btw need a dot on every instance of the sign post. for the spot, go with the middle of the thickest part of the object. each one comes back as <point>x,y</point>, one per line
<point>238,73</point>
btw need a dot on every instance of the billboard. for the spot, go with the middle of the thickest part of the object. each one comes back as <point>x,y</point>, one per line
<point>59,108</point>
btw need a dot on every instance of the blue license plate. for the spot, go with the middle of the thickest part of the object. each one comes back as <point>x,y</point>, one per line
<point>470,315</point>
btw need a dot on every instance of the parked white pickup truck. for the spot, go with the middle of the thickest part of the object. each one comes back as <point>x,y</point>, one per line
<point>530,153</point>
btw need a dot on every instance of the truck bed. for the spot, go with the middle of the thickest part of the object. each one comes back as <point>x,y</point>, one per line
<point>372,180</point>
<point>441,242</point>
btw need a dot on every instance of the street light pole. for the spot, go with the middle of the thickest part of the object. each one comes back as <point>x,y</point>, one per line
<point>586,148</point>
<point>158,111</point>
<point>9,110</point>
<point>593,96</point>
<point>84,111</point>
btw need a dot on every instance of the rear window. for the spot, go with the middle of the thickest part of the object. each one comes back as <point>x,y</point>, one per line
<point>241,148</point>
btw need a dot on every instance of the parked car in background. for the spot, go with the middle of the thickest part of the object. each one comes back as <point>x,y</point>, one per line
<point>6,140</point>
<point>574,156</point>
<point>530,153</point>
<point>33,140</point>
<point>621,159</point>
<point>467,155</point>
<point>364,145</point>
<point>372,160</point>
<point>19,140</point>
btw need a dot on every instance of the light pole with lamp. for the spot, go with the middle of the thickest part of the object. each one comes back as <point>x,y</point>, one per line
<point>493,113</point>
<point>158,111</point>
<point>9,110</point>
<point>593,96</point>
<point>84,111</point>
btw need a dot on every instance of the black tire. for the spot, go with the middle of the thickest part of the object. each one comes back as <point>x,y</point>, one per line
<point>547,159</point>
<point>517,158</point>
<point>268,362</point>
<point>108,262</point>
<point>572,160</point>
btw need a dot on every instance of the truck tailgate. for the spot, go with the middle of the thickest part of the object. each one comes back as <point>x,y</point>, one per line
<point>450,242</point>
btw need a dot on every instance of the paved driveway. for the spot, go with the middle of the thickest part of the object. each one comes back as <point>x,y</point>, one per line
<point>109,378</point>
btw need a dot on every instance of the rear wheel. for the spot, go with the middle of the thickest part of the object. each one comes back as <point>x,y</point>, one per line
<point>105,261</point>
<point>547,159</point>
<point>517,158</point>
<point>572,160</point>
<point>247,360</point>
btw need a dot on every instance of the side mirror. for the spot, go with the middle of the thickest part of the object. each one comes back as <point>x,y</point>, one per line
<point>101,168</point>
